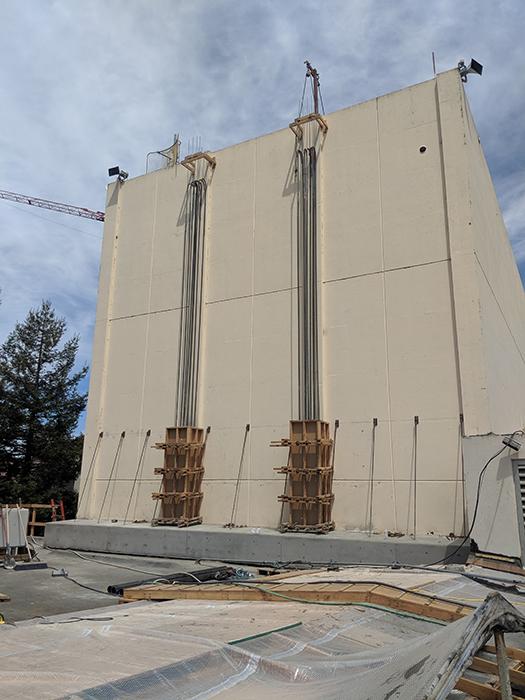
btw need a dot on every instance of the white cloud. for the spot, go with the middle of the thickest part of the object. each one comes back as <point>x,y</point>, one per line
<point>89,85</point>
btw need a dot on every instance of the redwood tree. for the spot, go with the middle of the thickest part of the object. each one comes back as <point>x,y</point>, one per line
<point>40,406</point>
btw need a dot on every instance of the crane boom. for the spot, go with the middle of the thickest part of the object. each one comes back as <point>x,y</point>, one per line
<point>54,206</point>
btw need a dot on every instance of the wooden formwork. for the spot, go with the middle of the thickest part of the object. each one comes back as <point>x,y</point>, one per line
<point>308,498</point>
<point>180,495</point>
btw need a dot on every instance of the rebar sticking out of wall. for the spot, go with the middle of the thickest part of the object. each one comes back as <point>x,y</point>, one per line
<point>89,471</point>
<point>238,482</point>
<point>140,463</point>
<point>307,282</point>
<point>371,477</point>
<point>113,466</point>
<point>191,303</point>
<point>416,423</point>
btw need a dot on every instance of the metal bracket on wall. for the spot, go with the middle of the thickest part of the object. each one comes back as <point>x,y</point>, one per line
<point>189,161</point>
<point>296,125</point>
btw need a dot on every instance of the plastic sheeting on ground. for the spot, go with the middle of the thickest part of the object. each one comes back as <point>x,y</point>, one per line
<point>179,650</point>
<point>292,665</point>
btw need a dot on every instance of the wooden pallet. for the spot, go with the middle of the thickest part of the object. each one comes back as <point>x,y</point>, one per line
<point>180,495</point>
<point>308,498</point>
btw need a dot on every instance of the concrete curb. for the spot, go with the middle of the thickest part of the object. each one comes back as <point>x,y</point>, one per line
<point>250,545</point>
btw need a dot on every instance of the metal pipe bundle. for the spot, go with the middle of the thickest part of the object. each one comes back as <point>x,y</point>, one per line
<point>308,336</point>
<point>191,313</point>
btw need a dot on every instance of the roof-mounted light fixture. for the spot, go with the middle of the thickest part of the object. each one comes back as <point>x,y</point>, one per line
<point>121,174</point>
<point>473,67</point>
<point>510,441</point>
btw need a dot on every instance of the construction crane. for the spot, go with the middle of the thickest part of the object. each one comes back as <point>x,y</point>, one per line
<point>53,206</point>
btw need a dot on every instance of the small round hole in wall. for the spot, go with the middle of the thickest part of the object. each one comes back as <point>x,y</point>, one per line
<point>422,149</point>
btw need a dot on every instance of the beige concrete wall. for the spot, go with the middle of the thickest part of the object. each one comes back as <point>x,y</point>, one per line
<point>389,319</point>
<point>502,308</point>
<point>490,315</point>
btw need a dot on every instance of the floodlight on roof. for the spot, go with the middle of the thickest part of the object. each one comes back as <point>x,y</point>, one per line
<point>473,67</point>
<point>121,174</point>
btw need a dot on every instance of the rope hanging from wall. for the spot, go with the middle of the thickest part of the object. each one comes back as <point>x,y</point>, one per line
<point>191,303</point>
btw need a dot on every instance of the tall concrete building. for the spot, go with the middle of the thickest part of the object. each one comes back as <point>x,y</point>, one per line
<point>417,309</point>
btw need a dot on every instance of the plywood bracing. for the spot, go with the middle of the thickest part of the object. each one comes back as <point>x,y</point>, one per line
<point>307,499</point>
<point>180,496</point>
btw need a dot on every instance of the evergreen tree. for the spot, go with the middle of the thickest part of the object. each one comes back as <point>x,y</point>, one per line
<point>40,406</point>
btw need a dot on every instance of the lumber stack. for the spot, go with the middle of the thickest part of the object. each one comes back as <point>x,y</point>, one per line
<point>309,592</point>
<point>180,495</point>
<point>307,499</point>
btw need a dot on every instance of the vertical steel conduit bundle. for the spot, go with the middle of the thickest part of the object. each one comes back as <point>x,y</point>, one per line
<point>191,303</point>
<point>308,340</point>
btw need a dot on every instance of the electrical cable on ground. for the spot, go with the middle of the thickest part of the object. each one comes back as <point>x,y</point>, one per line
<point>67,577</point>
<point>75,619</point>
<point>118,566</point>
<point>478,493</point>
<point>397,567</point>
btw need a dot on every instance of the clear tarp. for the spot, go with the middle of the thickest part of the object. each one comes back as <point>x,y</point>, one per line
<point>179,650</point>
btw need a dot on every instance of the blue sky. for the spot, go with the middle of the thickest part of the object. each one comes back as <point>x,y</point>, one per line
<point>86,85</point>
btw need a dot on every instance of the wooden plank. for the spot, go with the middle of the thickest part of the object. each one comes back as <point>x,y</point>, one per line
<point>478,690</point>
<point>384,595</point>
<point>486,666</point>
<point>417,603</point>
<point>518,654</point>
<point>497,565</point>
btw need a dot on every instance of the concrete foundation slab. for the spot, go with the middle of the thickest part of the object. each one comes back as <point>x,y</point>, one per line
<point>251,545</point>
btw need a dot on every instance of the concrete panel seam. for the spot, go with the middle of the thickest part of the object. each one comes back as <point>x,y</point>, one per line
<point>145,313</point>
<point>499,307</point>
<point>385,271</point>
<point>251,296</point>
